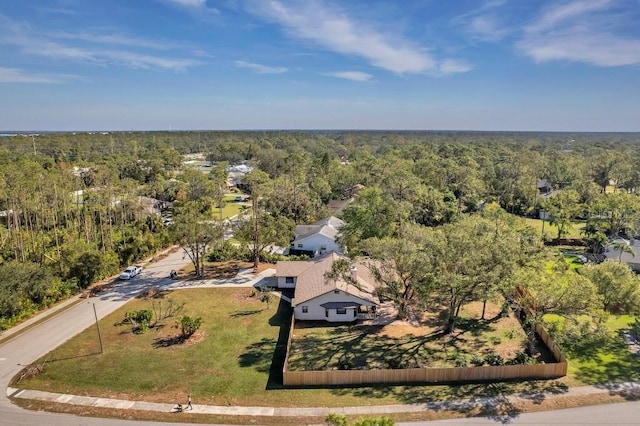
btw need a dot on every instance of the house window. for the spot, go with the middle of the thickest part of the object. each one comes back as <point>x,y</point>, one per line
<point>336,291</point>
<point>300,245</point>
<point>326,313</point>
<point>305,309</point>
<point>289,280</point>
<point>341,311</point>
<point>323,248</point>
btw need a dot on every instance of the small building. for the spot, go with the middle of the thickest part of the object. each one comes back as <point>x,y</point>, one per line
<point>319,298</point>
<point>317,239</point>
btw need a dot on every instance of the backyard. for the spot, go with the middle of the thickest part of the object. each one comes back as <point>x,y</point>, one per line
<point>319,346</point>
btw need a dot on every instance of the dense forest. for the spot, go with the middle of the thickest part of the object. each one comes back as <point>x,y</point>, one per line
<point>71,205</point>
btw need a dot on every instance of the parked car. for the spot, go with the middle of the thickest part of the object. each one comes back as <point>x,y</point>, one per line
<point>130,272</point>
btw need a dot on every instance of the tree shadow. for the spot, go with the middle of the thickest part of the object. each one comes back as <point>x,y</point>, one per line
<point>74,357</point>
<point>239,314</point>
<point>630,391</point>
<point>165,342</point>
<point>268,355</point>
<point>610,361</point>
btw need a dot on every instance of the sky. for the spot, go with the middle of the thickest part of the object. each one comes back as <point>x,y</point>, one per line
<point>513,65</point>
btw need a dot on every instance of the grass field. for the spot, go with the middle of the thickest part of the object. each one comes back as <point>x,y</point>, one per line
<point>551,231</point>
<point>230,209</point>
<point>611,361</point>
<point>236,359</point>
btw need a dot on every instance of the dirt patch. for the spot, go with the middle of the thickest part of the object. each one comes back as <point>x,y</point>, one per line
<point>223,270</point>
<point>400,328</point>
<point>244,296</point>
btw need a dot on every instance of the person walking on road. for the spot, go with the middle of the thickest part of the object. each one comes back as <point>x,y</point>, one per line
<point>189,406</point>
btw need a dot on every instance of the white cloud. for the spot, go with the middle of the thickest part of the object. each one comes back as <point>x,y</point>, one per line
<point>190,3</point>
<point>563,12</point>
<point>350,75</point>
<point>62,46</point>
<point>484,22</point>
<point>333,30</point>
<point>194,4</point>
<point>580,31</point>
<point>453,66</point>
<point>261,69</point>
<point>118,39</point>
<point>15,75</point>
<point>486,28</point>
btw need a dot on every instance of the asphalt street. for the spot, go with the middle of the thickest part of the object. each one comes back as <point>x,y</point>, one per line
<point>28,346</point>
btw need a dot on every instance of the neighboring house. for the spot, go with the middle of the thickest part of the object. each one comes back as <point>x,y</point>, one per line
<point>321,299</point>
<point>544,187</point>
<point>317,239</point>
<point>631,259</point>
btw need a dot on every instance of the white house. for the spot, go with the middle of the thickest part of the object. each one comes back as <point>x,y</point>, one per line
<point>321,299</point>
<point>318,238</point>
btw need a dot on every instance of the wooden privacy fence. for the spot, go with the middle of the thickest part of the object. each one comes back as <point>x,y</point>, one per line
<point>429,375</point>
<point>424,375</point>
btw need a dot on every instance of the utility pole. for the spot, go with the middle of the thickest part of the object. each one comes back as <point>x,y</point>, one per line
<point>98,327</point>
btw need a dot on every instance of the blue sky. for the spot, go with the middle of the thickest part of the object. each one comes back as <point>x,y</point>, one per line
<point>320,64</point>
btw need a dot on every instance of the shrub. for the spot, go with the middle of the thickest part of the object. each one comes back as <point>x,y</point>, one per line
<point>494,359</point>
<point>139,319</point>
<point>229,251</point>
<point>267,257</point>
<point>521,358</point>
<point>477,361</point>
<point>334,419</point>
<point>460,360</point>
<point>189,325</point>
<point>379,421</point>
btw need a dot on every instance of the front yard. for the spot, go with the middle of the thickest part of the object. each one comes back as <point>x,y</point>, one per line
<point>235,359</point>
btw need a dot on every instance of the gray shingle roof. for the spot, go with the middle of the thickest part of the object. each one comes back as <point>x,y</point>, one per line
<point>329,227</point>
<point>311,281</point>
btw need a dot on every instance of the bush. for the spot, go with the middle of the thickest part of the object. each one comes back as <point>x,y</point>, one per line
<point>139,319</point>
<point>229,252</point>
<point>267,257</point>
<point>189,325</point>
<point>336,420</point>
<point>494,359</point>
<point>339,420</point>
<point>521,358</point>
<point>477,361</point>
<point>460,360</point>
<point>380,421</point>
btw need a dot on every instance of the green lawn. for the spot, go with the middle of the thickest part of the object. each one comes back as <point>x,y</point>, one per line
<point>552,231</point>
<point>230,209</point>
<point>236,360</point>
<point>611,361</point>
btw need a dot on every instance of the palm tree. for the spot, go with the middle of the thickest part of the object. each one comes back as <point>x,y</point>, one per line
<point>624,248</point>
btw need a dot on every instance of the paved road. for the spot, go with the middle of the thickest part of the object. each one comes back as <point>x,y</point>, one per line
<point>29,346</point>
<point>625,413</point>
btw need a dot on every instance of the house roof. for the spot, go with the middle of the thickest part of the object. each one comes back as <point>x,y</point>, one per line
<point>329,227</point>
<point>311,281</point>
